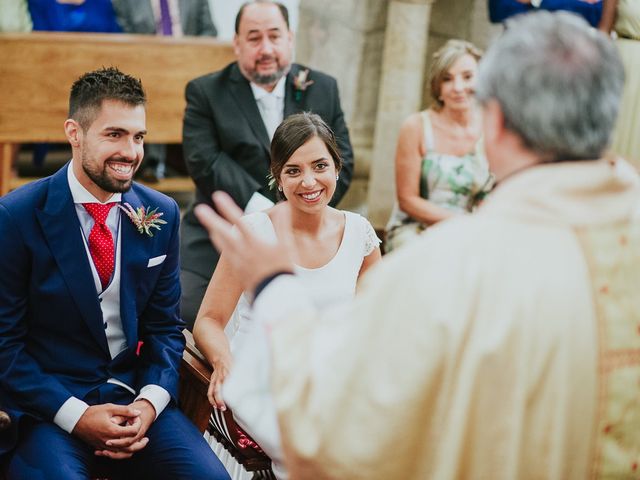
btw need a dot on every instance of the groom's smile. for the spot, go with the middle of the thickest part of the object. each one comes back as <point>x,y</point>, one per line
<point>122,170</point>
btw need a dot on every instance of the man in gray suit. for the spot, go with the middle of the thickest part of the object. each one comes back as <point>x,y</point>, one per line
<point>174,18</point>
<point>187,17</point>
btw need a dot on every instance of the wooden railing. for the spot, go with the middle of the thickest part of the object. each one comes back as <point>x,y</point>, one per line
<point>37,70</point>
<point>195,373</point>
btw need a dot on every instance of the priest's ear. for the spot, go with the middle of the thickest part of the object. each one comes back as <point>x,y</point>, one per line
<point>73,131</point>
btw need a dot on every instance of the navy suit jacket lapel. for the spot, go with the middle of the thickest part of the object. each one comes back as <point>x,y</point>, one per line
<point>61,230</point>
<point>243,95</point>
<point>134,255</point>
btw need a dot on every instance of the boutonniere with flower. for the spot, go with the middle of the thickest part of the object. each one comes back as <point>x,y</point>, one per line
<point>144,219</point>
<point>301,83</point>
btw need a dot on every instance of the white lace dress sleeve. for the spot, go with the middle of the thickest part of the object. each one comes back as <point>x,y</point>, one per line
<point>371,240</point>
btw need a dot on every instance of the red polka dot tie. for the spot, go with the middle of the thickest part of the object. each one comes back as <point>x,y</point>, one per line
<point>101,241</point>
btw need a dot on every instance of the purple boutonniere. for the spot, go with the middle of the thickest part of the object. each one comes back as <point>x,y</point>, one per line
<point>301,83</point>
<point>144,219</point>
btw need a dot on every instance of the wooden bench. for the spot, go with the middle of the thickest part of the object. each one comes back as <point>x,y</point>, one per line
<point>195,373</point>
<point>37,70</point>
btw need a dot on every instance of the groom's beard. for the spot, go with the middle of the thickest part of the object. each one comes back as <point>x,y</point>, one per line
<point>103,176</point>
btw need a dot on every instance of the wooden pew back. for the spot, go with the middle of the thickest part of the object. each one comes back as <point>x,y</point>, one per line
<point>37,70</point>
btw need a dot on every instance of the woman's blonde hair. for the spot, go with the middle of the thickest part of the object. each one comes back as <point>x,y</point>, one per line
<point>443,60</point>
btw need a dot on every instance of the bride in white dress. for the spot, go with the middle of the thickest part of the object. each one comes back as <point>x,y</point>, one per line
<point>333,247</point>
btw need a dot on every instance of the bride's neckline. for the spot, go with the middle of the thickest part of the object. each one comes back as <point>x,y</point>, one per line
<point>342,240</point>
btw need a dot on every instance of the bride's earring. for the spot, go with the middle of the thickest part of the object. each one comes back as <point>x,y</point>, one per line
<point>337,177</point>
<point>279,188</point>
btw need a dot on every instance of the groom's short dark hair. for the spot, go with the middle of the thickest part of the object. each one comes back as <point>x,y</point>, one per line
<point>88,92</point>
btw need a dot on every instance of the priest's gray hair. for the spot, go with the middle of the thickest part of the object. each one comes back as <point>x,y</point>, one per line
<point>558,83</point>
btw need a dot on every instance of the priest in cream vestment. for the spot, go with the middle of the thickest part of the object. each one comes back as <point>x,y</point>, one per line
<point>501,345</point>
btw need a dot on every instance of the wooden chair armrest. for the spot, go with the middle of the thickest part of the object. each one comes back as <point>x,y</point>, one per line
<point>195,373</point>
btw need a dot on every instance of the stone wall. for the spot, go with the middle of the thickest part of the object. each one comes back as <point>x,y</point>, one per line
<point>345,39</point>
<point>400,95</point>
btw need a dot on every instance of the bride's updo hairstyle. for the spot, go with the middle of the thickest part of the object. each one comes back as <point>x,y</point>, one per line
<point>295,131</point>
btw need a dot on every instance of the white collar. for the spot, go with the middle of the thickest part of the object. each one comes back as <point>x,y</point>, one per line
<point>81,194</point>
<point>259,93</point>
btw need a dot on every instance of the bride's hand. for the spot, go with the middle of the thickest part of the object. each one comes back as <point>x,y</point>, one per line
<point>214,393</point>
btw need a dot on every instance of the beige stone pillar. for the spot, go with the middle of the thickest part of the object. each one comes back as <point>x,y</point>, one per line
<point>345,39</point>
<point>403,62</point>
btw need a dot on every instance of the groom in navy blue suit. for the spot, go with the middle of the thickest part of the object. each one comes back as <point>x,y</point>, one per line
<point>82,282</point>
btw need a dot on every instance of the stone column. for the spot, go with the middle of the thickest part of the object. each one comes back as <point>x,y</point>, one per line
<point>345,39</point>
<point>405,50</point>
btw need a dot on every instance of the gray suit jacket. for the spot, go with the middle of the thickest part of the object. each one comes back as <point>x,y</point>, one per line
<point>136,16</point>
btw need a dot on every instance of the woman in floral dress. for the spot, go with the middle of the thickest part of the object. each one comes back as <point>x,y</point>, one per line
<point>441,170</point>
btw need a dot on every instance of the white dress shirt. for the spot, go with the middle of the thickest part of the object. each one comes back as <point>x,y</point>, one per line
<point>270,104</point>
<point>271,108</point>
<point>71,411</point>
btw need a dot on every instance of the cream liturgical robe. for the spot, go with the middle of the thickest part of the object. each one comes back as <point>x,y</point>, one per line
<point>502,345</point>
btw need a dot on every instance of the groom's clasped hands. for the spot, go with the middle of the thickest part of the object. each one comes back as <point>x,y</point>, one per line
<point>116,431</point>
